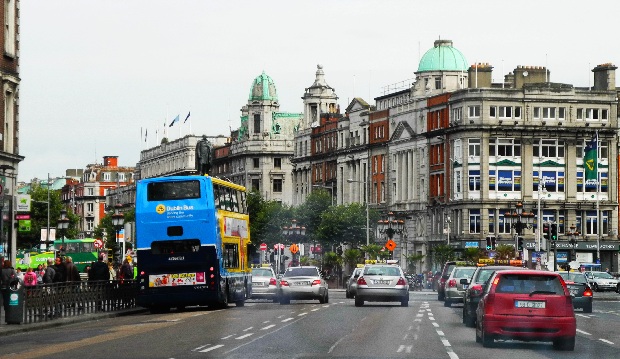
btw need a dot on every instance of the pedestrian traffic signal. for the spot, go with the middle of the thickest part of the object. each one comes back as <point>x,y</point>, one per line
<point>493,243</point>
<point>546,231</point>
<point>554,231</point>
<point>489,244</point>
<point>520,243</point>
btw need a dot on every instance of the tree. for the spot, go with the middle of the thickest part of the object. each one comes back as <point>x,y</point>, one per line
<point>39,216</point>
<point>372,250</point>
<point>412,261</point>
<point>332,262</point>
<point>442,253</point>
<point>310,213</point>
<point>267,219</point>
<point>472,254</point>
<point>505,251</point>
<point>352,257</point>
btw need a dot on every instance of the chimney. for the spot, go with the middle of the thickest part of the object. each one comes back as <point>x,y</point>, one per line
<point>110,161</point>
<point>604,77</point>
<point>479,75</point>
<point>530,75</point>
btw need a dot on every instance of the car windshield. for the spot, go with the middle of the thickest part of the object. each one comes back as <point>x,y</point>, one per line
<point>382,270</point>
<point>301,272</point>
<point>574,277</point>
<point>260,272</point>
<point>463,272</point>
<point>602,275</point>
<point>527,283</point>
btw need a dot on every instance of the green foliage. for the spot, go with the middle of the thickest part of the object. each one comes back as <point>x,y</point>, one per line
<point>267,219</point>
<point>472,254</point>
<point>352,257</point>
<point>309,214</point>
<point>442,253</point>
<point>412,262</point>
<point>505,251</point>
<point>332,261</point>
<point>39,216</point>
<point>372,250</point>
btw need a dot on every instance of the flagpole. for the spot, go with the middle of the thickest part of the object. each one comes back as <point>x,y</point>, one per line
<point>598,195</point>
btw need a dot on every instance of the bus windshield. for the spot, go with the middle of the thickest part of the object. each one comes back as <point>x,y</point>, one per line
<point>164,191</point>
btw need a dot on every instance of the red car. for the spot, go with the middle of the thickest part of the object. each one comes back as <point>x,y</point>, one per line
<point>526,305</point>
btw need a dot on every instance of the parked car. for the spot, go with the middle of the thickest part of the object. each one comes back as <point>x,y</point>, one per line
<point>303,282</point>
<point>352,283</point>
<point>456,284</point>
<point>578,287</point>
<point>382,283</point>
<point>600,281</point>
<point>264,284</point>
<point>529,305</point>
<point>474,291</point>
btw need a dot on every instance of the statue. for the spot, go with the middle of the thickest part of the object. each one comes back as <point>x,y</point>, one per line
<point>203,156</point>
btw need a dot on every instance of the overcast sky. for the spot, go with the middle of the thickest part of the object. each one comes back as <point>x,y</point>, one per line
<point>95,75</point>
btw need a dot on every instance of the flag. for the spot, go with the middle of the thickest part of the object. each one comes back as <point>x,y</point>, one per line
<point>186,117</point>
<point>176,119</point>
<point>590,159</point>
<point>146,133</point>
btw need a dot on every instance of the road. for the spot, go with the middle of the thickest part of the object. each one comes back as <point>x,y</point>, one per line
<point>304,329</point>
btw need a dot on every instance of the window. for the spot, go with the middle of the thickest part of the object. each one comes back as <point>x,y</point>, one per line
<point>474,180</point>
<point>504,147</point>
<point>90,224</point>
<point>589,186</point>
<point>548,148</point>
<point>107,176</point>
<point>552,180</point>
<point>457,182</point>
<point>257,123</point>
<point>277,162</point>
<point>9,27</point>
<point>604,115</point>
<point>474,147</point>
<point>91,191</point>
<point>256,162</point>
<point>561,113</point>
<point>457,114</point>
<point>121,176</point>
<point>580,114</point>
<point>537,113</point>
<point>474,221</point>
<point>517,111</point>
<point>505,180</point>
<point>438,83</point>
<point>255,184</point>
<point>492,111</point>
<point>548,113</point>
<point>504,225</point>
<point>90,207</point>
<point>175,247</point>
<point>587,222</point>
<point>162,191</point>
<point>277,185</point>
<point>473,111</point>
<point>230,255</point>
<point>505,112</point>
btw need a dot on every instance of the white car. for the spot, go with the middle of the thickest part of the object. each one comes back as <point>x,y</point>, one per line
<point>600,281</point>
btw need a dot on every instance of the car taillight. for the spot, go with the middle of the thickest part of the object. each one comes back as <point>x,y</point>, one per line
<point>401,281</point>
<point>587,292</point>
<point>361,281</point>
<point>475,291</point>
<point>316,282</point>
<point>272,281</point>
<point>452,283</point>
<point>284,283</point>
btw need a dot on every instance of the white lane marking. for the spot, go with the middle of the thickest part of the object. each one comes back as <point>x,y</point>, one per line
<point>266,321</point>
<point>606,341</point>
<point>314,310</point>
<point>286,320</point>
<point>405,337</point>
<point>335,344</point>
<point>582,315</point>
<point>200,347</point>
<point>326,306</point>
<point>440,333</point>
<point>436,325</point>
<point>419,315</point>
<point>250,328</point>
<point>582,332</point>
<point>212,348</point>
<point>445,342</point>
<point>417,320</point>
<point>431,318</point>
<point>301,314</point>
<point>452,354</point>
<point>244,336</point>
<point>228,336</point>
<point>268,327</point>
<point>411,327</point>
<point>405,348</point>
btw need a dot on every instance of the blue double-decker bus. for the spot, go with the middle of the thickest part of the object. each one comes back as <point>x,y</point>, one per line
<point>192,236</point>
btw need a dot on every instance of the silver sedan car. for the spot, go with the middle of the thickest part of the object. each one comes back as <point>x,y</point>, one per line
<point>382,283</point>
<point>454,287</point>
<point>264,284</point>
<point>303,283</point>
<point>352,283</point>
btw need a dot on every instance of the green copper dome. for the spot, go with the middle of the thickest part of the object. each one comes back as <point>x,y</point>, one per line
<point>443,57</point>
<point>263,88</point>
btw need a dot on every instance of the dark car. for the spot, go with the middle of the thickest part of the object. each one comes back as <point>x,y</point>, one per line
<point>527,305</point>
<point>577,284</point>
<point>474,291</point>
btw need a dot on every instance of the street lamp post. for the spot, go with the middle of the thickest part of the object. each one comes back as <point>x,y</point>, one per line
<point>63,225</point>
<point>519,220</point>
<point>117,221</point>
<point>367,212</point>
<point>295,233</point>
<point>573,233</point>
<point>391,226</point>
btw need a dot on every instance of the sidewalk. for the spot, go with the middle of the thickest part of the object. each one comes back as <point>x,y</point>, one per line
<point>10,329</point>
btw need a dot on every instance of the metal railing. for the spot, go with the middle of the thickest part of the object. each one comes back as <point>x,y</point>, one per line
<point>59,300</point>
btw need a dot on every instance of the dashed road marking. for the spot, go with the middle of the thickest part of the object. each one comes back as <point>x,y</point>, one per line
<point>404,348</point>
<point>286,320</point>
<point>211,348</point>
<point>250,328</point>
<point>582,332</point>
<point>228,336</point>
<point>606,341</point>
<point>244,336</point>
<point>301,314</point>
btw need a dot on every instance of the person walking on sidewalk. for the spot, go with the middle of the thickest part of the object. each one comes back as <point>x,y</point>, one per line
<point>7,275</point>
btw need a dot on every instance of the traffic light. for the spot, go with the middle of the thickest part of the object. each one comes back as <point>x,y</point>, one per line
<point>546,231</point>
<point>489,244</point>
<point>493,243</point>
<point>116,251</point>
<point>554,231</point>
<point>519,243</point>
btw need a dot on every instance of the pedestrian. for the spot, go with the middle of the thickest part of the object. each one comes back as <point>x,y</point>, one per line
<point>111,271</point>
<point>99,270</point>
<point>40,272</point>
<point>20,275</point>
<point>126,271</point>
<point>7,275</point>
<point>60,270</point>
<point>30,278</point>
<point>71,271</point>
<point>50,272</point>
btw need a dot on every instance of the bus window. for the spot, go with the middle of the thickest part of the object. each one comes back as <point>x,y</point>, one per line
<point>175,247</point>
<point>243,206</point>
<point>216,195</point>
<point>161,191</point>
<point>231,256</point>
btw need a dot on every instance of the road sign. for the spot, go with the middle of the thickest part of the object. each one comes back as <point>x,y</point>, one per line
<point>98,243</point>
<point>294,248</point>
<point>390,245</point>
<point>263,246</point>
<point>22,216</point>
<point>275,246</point>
